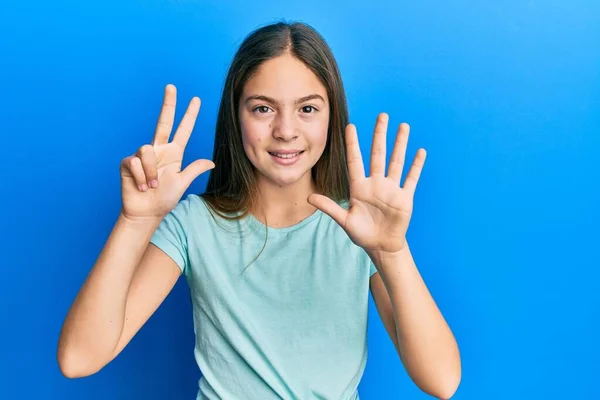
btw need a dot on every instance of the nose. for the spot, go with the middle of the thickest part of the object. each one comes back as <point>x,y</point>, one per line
<point>284,127</point>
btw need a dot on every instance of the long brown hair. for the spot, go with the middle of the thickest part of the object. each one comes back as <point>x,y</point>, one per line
<point>231,190</point>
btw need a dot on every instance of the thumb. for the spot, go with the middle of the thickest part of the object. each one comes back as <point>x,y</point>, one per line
<point>329,207</point>
<point>195,169</point>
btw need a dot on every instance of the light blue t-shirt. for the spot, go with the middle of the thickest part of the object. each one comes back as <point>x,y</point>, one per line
<point>288,324</point>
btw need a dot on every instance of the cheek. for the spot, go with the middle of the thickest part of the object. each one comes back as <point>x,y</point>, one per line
<point>252,139</point>
<point>319,138</point>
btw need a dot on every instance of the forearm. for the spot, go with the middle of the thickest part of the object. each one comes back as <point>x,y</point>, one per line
<point>95,321</point>
<point>426,344</point>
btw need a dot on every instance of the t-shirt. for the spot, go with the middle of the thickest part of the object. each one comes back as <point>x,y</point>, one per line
<point>279,313</point>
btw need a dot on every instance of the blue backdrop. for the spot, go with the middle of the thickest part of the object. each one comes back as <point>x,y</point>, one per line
<point>505,96</point>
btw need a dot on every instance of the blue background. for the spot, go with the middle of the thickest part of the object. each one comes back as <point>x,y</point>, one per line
<point>505,97</point>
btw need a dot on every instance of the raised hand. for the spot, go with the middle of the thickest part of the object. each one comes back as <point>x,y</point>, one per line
<point>152,181</point>
<point>380,210</point>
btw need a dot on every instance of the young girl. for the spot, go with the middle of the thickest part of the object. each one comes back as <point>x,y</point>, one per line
<point>281,250</point>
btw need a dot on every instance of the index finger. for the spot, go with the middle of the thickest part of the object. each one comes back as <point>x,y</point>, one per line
<point>166,117</point>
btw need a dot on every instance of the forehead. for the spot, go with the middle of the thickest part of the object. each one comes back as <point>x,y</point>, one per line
<point>284,78</point>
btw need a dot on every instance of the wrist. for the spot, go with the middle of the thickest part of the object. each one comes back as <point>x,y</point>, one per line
<point>380,256</point>
<point>137,223</point>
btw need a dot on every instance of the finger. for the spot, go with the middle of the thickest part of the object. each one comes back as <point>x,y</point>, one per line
<point>137,171</point>
<point>378,147</point>
<point>329,207</point>
<point>166,117</point>
<point>148,157</point>
<point>195,169</point>
<point>187,123</point>
<point>399,153</point>
<point>412,178</point>
<point>356,168</point>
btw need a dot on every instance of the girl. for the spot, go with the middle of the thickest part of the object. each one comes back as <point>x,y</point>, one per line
<point>281,250</point>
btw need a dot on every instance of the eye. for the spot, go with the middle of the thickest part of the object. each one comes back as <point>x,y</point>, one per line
<point>261,109</point>
<point>307,109</point>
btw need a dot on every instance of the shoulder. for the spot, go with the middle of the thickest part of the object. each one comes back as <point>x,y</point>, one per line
<point>191,206</point>
<point>201,219</point>
<point>189,212</point>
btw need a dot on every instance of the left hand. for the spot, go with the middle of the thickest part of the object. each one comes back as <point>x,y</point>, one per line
<point>380,210</point>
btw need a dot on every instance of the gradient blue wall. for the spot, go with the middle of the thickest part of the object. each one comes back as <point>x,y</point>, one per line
<point>505,96</point>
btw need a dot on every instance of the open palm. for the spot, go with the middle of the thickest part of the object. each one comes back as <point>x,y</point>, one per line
<point>380,210</point>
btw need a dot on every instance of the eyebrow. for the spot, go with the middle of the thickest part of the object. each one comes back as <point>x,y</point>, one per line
<point>273,101</point>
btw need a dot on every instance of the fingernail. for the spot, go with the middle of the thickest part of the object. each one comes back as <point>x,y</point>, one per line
<point>154,183</point>
<point>144,187</point>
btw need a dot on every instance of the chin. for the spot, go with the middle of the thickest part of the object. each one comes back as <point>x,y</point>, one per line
<point>283,178</point>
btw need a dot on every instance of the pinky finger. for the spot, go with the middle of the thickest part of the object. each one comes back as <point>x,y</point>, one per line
<point>412,178</point>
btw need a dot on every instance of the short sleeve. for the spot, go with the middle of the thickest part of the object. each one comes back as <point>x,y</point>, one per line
<point>369,262</point>
<point>372,268</point>
<point>171,234</point>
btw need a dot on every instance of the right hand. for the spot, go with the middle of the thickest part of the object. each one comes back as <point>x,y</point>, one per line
<point>152,181</point>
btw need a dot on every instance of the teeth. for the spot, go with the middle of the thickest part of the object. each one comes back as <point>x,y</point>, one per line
<point>285,155</point>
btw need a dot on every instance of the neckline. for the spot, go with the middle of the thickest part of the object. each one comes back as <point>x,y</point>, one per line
<point>254,221</point>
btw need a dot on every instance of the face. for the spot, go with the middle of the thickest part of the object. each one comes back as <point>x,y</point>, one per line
<point>284,116</point>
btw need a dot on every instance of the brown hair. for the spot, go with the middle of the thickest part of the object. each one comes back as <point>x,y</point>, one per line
<point>231,184</point>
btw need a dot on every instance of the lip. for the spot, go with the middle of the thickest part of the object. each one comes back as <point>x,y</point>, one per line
<point>286,161</point>
<point>282,151</point>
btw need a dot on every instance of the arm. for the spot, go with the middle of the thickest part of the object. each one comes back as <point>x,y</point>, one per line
<point>131,278</point>
<point>126,285</point>
<point>377,220</point>
<point>422,338</point>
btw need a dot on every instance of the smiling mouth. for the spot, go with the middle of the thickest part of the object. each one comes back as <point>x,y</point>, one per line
<point>286,156</point>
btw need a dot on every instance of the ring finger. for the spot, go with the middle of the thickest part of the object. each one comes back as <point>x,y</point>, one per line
<point>137,171</point>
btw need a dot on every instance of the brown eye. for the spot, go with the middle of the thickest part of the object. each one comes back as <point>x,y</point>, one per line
<point>261,109</point>
<point>308,109</point>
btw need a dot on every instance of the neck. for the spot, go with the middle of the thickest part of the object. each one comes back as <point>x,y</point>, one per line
<point>282,206</point>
